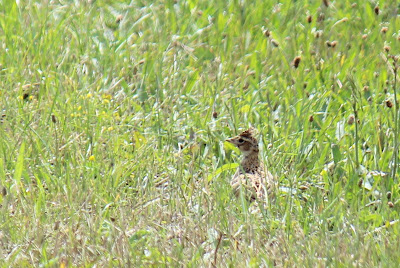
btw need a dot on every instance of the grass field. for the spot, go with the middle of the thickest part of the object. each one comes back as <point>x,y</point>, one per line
<point>114,116</point>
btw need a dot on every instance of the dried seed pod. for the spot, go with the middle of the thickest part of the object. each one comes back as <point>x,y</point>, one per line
<point>311,119</point>
<point>215,114</point>
<point>296,61</point>
<point>267,33</point>
<point>387,48</point>
<point>303,187</point>
<point>2,118</point>
<point>318,34</point>
<point>309,19</point>
<point>384,30</point>
<point>389,104</point>
<point>390,204</point>
<point>275,43</point>
<point>53,118</point>
<point>376,9</point>
<point>350,120</point>
<point>326,3</point>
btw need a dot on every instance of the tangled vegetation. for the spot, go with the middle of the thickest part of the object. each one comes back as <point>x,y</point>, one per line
<point>114,116</point>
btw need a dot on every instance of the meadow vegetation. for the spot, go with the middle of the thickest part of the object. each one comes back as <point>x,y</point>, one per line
<point>114,116</point>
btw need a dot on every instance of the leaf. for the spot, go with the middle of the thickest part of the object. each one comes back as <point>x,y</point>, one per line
<point>2,171</point>
<point>139,139</point>
<point>190,83</point>
<point>230,146</point>
<point>138,235</point>
<point>340,130</point>
<point>337,156</point>
<point>245,108</point>
<point>367,185</point>
<point>222,169</point>
<point>203,54</point>
<point>142,94</point>
<point>19,166</point>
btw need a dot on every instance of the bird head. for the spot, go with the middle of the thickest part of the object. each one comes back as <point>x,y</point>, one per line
<point>246,142</point>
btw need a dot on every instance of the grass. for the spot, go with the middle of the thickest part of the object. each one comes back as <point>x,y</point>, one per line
<point>114,116</point>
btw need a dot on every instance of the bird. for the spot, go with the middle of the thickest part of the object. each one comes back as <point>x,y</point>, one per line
<point>252,175</point>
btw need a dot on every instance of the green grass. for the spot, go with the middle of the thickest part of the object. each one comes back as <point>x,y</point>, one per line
<point>114,116</point>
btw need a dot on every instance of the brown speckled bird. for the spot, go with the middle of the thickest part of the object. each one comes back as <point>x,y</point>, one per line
<point>251,176</point>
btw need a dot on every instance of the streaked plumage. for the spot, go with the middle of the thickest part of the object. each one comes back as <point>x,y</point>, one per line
<point>252,175</point>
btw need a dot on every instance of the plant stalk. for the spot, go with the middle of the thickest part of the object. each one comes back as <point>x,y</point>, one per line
<point>396,125</point>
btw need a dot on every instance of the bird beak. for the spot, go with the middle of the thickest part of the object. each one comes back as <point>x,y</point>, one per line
<point>229,140</point>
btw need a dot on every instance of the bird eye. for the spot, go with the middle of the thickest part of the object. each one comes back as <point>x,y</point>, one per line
<point>241,140</point>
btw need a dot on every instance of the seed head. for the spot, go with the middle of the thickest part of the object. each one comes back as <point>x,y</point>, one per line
<point>376,9</point>
<point>389,104</point>
<point>321,17</point>
<point>275,43</point>
<point>4,191</point>
<point>331,44</point>
<point>384,30</point>
<point>350,120</point>
<point>119,18</point>
<point>309,19</point>
<point>296,61</point>
<point>303,187</point>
